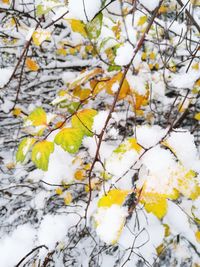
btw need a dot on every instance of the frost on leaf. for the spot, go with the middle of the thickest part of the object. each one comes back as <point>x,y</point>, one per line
<point>24,148</point>
<point>83,120</point>
<point>69,139</point>
<point>40,154</point>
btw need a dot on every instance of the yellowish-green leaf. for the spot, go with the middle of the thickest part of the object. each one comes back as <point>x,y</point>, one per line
<point>40,154</point>
<point>94,27</point>
<point>83,120</point>
<point>69,139</point>
<point>24,148</point>
<point>113,197</point>
<point>37,117</point>
<point>78,26</point>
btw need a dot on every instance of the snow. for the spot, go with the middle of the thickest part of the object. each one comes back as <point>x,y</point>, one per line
<point>149,136</point>
<point>91,9</point>
<point>54,228</point>
<point>124,54</point>
<point>117,165</point>
<point>99,121</point>
<point>185,80</point>
<point>60,167</point>
<point>7,106</point>
<point>146,236</point>
<point>16,245</point>
<point>189,155</point>
<point>150,4</point>
<point>5,74</point>
<point>138,83</point>
<point>109,222</point>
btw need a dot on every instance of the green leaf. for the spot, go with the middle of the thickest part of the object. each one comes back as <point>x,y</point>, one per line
<point>69,139</point>
<point>40,154</point>
<point>83,120</point>
<point>37,117</point>
<point>94,27</point>
<point>24,148</point>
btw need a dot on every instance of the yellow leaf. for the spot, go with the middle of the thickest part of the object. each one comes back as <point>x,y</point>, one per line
<point>40,154</point>
<point>113,197</point>
<point>85,77</point>
<point>68,198</point>
<point>152,55</point>
<point>140,100</point>
<point>36,118</point>
<point>16,112</point>
<point>197,116</point>
<point>113,84</point>
<point>188,185</point>
<point>155,203</point>
<point>6,2</point>
<point>78,26</point>
<point>79,175</point>
<point>82,93</point>
<point>61,52</point>
<point>59,191</point>
<point>195,66</point>
<point>163,9</point>
<point>197,235</point>
<point>31,64</point>
<point>127,145</point>
<point>83,120</point>
<point>40,36</point>
<point>142,20</point>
